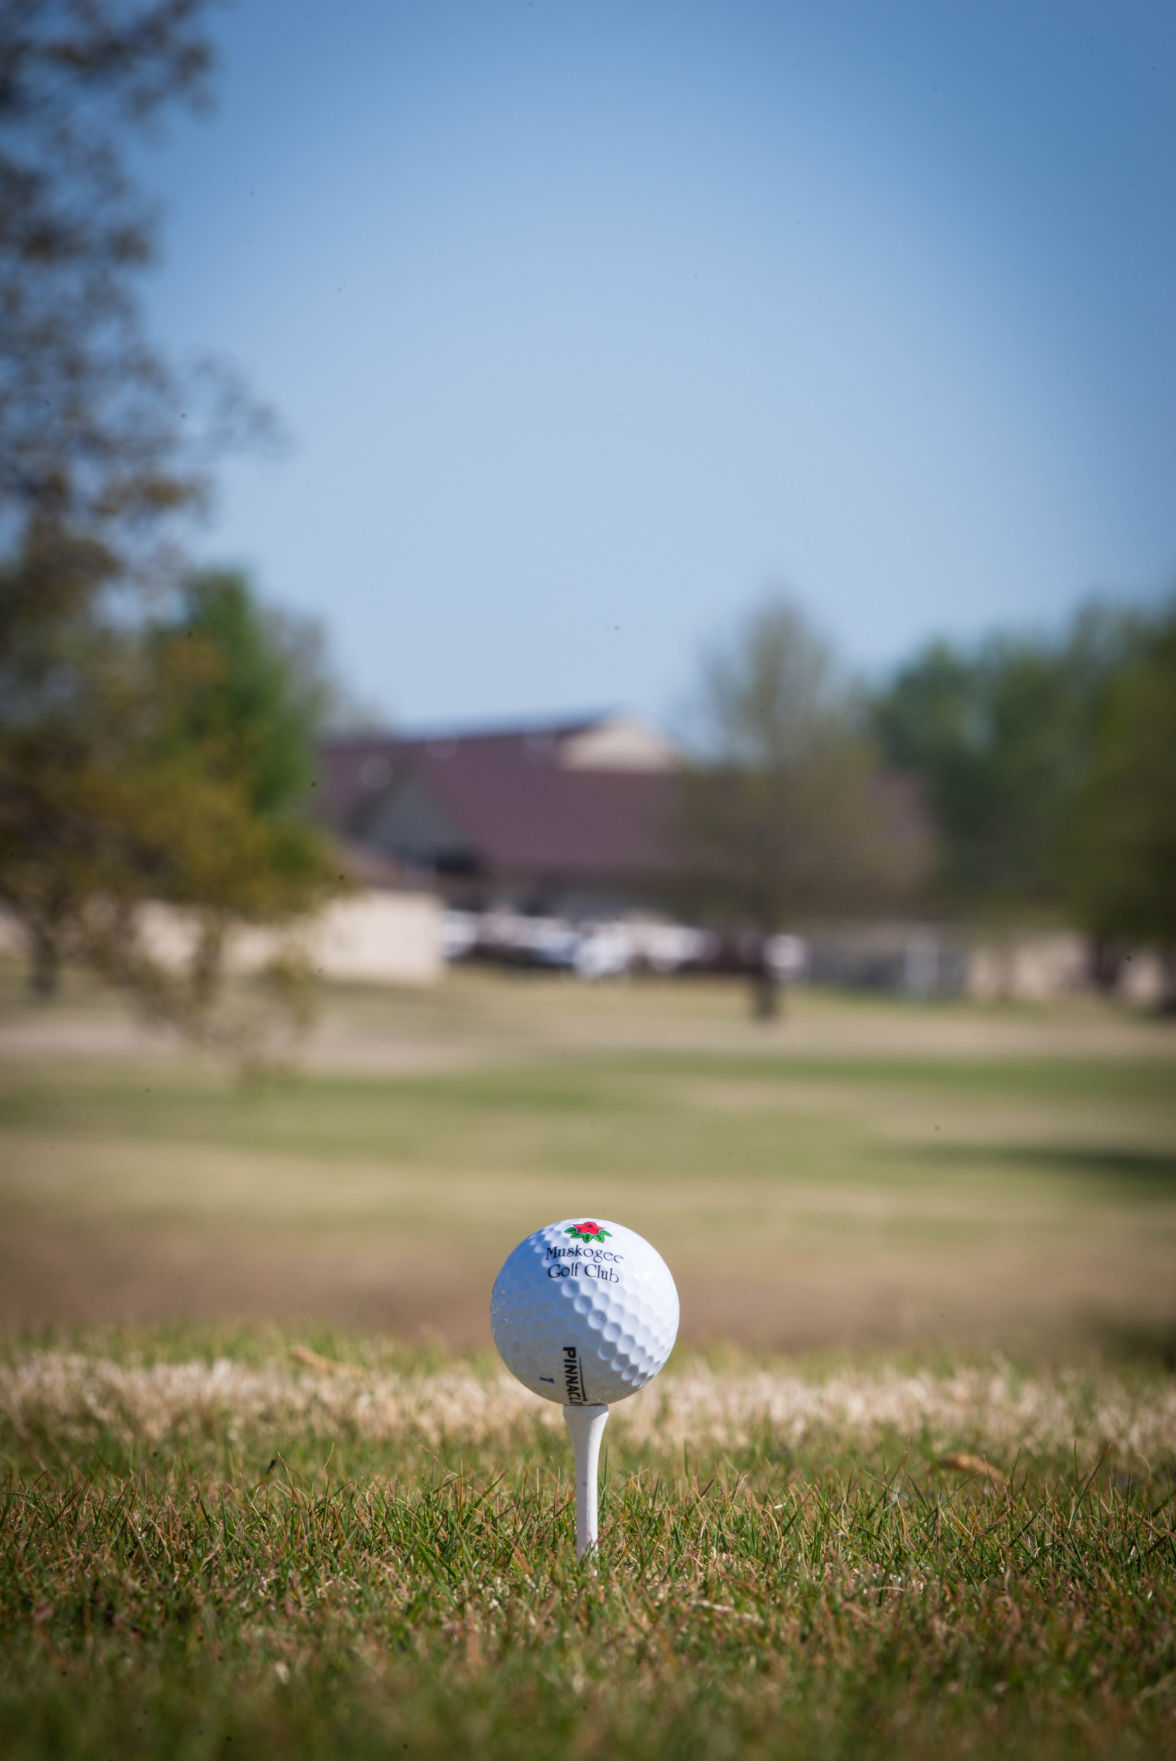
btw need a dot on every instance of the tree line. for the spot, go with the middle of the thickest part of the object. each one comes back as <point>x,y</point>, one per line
<point>1049,771</point>
<point>1019,780</point>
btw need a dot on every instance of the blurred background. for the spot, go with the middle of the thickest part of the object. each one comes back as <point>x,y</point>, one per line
<point>587,625</point>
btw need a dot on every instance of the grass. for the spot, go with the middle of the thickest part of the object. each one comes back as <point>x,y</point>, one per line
<point>907,1489</point>
<point>867,1172</point>
<point>208,1550</point>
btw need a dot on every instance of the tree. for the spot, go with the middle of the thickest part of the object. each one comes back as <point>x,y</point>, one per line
<point>164,766</point>
<point>258,705</point>
<point>785,813</point>
<point>1122,840</point>
<point>153,747</point>
<point>999,738</point>
<point>98,435</point>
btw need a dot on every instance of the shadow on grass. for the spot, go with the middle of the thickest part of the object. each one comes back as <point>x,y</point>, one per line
<point>1146,1344</point>
<point>1143,1172</point>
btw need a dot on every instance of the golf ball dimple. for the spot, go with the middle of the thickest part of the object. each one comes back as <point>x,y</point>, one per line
<point>584,1312</point>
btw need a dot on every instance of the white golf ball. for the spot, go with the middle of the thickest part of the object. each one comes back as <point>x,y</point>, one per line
<point>584,1312</point>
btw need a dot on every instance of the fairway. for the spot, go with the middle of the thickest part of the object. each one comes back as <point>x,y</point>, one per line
<point>864,1173</point>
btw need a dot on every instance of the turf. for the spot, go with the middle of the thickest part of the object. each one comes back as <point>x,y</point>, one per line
<point>208,1549</point>
<point>264,1491</point>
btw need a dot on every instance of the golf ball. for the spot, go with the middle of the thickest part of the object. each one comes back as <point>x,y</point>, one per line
<point>584,1312</point>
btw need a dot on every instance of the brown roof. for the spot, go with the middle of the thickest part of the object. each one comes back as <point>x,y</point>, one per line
<point>345,764</point>
<point>366,867</point>
<point>516,808</point>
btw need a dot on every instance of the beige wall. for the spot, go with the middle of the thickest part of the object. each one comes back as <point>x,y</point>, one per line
<point>1030,968</point>
<point>374,937</point>
<point>1143,978</point>
<point>381,938</point>
<point>617,744</point>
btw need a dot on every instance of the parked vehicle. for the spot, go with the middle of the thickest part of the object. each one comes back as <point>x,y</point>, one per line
<point>610,948</point>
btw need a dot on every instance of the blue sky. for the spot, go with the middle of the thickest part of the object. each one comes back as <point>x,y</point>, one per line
<point>590,322</point>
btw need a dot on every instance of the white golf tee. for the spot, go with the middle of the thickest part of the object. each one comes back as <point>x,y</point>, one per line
<point>586,1426</point>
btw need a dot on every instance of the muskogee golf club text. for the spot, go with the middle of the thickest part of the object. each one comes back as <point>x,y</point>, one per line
<point>580,1262</point>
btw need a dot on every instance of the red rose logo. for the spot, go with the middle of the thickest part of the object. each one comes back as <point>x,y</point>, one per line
<point>588,1232</point>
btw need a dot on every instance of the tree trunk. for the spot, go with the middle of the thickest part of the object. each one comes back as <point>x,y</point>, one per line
<point>207,966</point>
<point>767,993</point>
<point>44,963</point>
<point>1167,1002</point>
<point>1105,963</point>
